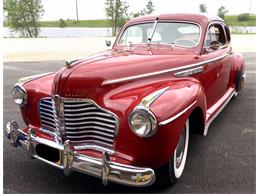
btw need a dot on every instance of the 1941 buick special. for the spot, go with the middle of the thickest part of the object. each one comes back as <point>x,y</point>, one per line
<point>125,114</point>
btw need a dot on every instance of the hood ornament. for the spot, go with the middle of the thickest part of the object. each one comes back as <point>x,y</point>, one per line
<point>68,63</point>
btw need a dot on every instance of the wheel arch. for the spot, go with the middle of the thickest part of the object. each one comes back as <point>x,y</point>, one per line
<point>197,121</point>
<point>238,71</point>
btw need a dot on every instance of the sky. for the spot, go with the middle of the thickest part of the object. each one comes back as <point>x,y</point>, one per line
<point>94,9</point>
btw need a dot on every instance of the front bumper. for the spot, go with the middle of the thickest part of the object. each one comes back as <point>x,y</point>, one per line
<point>71,160</point>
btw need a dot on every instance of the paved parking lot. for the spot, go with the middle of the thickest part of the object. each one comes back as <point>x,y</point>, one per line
<point>222,162</point>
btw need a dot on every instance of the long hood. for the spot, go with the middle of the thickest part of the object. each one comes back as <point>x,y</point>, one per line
<point>88,76</point>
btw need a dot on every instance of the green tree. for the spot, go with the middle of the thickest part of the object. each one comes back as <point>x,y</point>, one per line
<point>148,10</point>
<point>23,16</point>
<point>222,11</point>
<point>150,7</point>
<point>116,12</point>
<point>203,8</point>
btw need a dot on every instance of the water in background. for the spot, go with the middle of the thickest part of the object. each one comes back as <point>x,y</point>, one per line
<point>99,32</point>
<point>66,32</point>
<point>243,29</point>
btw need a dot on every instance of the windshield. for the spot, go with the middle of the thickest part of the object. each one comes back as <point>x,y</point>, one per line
<point>176,33</point>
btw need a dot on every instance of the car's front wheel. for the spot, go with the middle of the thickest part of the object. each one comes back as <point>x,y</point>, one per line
<point>172,171</point>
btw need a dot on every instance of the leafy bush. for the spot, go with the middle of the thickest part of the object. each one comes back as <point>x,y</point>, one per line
<point>62,23</point>
<point>243,17</point>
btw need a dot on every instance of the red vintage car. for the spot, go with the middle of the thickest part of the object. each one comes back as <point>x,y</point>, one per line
<point>125,115</point>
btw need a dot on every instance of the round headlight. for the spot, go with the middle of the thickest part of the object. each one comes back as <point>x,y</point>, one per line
<point>19,95</point>
<point>142,122</point>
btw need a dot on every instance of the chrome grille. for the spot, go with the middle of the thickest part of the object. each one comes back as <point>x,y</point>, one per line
<point>47,114</point>
<point>85,121</point>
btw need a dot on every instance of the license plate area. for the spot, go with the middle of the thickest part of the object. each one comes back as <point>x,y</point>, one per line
<point>48,153</point>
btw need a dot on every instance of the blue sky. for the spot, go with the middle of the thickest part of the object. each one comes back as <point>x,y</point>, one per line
<point>94,9</point>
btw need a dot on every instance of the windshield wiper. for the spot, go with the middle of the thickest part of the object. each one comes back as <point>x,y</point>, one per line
<point>149,40</point>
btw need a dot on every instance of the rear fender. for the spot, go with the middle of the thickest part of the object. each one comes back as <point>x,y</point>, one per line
<point>237,77</point>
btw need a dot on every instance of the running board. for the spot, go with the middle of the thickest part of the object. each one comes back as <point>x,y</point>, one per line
<point>214,110</point>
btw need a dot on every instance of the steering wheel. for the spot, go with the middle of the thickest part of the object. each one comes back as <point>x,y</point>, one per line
<point>214,45</point>
<point>185,42</point>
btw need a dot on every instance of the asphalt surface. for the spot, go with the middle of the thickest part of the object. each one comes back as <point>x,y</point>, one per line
<point>222,162</point>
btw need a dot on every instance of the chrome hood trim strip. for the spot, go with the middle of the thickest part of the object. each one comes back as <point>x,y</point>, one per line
<point>174,70</point>
<point>24,80</point>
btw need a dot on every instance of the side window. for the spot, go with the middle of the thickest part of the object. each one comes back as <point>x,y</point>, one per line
<point>215,37</point>
<point>131,35</point>
<point>227,33</point>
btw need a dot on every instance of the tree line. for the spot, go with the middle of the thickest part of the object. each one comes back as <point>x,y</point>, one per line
<point>222,12</point>
<point>23,15</point>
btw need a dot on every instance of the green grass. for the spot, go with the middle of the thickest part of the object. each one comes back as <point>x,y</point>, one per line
<point>74,23</point>
<point>232,20</point>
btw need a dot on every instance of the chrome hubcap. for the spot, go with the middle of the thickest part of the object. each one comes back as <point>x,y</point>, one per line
<point>180,149</point>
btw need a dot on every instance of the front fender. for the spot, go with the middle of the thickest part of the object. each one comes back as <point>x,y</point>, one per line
<point>36,89</point>
<point>177,98</point>
<point>172,109</point>
<point>157,150</point>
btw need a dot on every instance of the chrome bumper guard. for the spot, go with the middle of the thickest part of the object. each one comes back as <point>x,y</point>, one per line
<point>71,160</point>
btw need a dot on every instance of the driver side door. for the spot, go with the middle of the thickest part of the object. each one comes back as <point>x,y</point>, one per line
<point>215,76</point>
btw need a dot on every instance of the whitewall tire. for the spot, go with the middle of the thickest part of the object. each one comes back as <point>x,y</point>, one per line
<point>172,171</point>
<point>179,157</point>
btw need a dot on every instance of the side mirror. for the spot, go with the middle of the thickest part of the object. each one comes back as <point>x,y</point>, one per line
<point>108,43</point>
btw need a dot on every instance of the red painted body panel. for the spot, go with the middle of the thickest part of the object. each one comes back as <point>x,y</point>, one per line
<point>85,79</point>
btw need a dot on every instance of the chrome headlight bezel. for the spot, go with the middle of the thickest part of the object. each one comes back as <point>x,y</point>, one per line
<point>19,95</point>
<point>147,114</point>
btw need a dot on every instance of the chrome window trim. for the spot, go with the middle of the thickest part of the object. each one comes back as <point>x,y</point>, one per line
<point>114,81</point>
<point>207,30</point>
<point>177,115</point>
<point>164,21</point>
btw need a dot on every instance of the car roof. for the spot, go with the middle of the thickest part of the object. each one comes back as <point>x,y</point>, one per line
<point>201,18</point>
